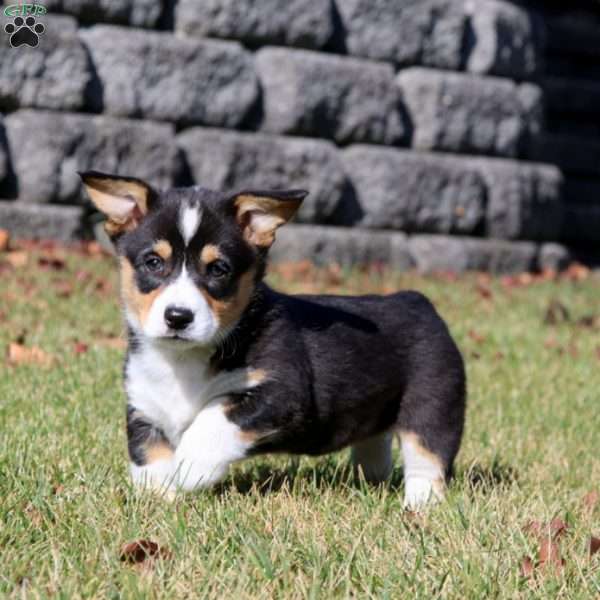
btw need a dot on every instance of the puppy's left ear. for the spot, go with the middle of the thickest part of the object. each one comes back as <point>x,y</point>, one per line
<point>124,200</point>
<point>259,214</point>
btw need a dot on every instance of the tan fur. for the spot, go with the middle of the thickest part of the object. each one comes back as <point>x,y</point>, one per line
<point>228,311</point>
<point>209,254</point>
<point>139,304</point>
<point>256,377</point>
<point>410,436</point>
<point>123,202</point>
<point>158,451</point>
<point>261,216</point>
<point>163,249</point>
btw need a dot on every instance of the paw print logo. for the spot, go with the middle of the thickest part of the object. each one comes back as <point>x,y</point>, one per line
<point>24,32</point>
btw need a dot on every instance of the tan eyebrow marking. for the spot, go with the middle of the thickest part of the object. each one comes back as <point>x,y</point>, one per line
<point>163,249</point>
<point>209,253</point>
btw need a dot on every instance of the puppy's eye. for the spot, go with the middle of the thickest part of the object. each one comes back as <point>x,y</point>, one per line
<point>218,269</point>
<point>153,263</point>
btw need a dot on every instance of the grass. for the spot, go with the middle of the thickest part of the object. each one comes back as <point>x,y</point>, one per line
<point>288,528</point>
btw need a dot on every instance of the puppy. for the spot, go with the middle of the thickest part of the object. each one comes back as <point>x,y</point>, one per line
<point>221,367</point>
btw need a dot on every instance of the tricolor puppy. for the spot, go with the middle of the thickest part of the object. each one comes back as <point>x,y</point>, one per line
<point>221,367</point>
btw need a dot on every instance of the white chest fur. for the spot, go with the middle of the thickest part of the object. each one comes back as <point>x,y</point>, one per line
<point>171,386</point>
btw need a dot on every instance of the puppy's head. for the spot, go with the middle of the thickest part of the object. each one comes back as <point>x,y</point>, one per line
<point>190,258</point>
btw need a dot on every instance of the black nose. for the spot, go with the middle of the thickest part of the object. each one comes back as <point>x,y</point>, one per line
<point>178,318</point>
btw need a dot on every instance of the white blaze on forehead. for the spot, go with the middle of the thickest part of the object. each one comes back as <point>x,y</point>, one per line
<point>189,220</point>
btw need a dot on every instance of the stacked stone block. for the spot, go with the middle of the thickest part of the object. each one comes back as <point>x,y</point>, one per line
<point>436,134</point>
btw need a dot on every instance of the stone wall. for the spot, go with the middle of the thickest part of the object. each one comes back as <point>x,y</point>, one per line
<point>441,134</point>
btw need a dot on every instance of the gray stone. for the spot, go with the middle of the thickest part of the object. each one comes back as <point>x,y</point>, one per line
<point>524,200</point>
<point>228,160</point>
<point>555,257</point>
<point>505,39</point>
<point>139,13</point>
<point>464,113</point>
<point>159,76</point>
<point>346,99</point>
<point>280,22</point>
<point>49,148</point>
<point>341,245</point>
<point>412,191</point>
<point>53,75</point>
<point>438,253</point>
<point>34,221</point>
<point>572,154</point>
<point>407,32</point>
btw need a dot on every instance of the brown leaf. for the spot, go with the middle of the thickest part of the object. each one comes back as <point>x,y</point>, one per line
<point>576,272</point>
<point>556,313</point>
<point>533,528</point>
<point>594,545</point>
<point>484,291</point>
<point>16,258</point>
<point>550,553</point>
<point>80,347</point>
<point>476,336</point>
<point>142,550</point>
<point>64,289</point>
<point>589,321</point>
<point>18,354</point>
<point>527,567</point>
<point>558,528</point>
<point>52,263</point>
<point>4,240</point>
<point>590,500</point>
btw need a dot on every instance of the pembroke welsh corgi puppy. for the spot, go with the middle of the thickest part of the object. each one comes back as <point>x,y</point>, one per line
<point>221,367</point>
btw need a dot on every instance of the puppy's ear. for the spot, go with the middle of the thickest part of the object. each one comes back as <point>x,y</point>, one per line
<point>124,200</point>
<point>259,214</point>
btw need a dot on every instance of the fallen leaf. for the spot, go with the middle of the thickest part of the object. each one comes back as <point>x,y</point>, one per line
<point>594,545</point>
<point>476,336</point>
<point>550,553</point>
<point>589,321</point>
<point>64,289</point>
<point>576,272</point>
<point>142,550</point>
<point>533,528</point>
<point>17,258</point>
<point>18,354</point>
<point>4,240</point>
<point>80,348</point>
<point>558,528</point>
<point>53,263</point>
<point>484,291</point>
<point>556,313</point>
<point>527,567</point>
<point>590,500</point>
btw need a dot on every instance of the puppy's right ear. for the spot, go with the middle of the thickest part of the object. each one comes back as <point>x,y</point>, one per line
<point>124,200</point>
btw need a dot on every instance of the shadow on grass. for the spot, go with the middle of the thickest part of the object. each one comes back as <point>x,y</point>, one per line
<point>265,479</point>
<point>483,478</point>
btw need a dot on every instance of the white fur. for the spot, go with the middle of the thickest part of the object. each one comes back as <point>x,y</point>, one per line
<point>172,385</point>
<point>423,477</point>
<point>374,457</point>
<point>189,221</point>
<point>182,293</point>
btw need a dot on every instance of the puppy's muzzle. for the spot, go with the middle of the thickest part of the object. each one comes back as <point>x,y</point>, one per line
<point>178,318</point>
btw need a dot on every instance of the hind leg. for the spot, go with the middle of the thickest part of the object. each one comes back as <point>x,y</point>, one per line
<point>424,472</point>
<point>430,430</point>
<point>374,457</point>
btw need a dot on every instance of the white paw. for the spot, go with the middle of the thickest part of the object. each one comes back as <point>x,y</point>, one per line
<point>420,491</point>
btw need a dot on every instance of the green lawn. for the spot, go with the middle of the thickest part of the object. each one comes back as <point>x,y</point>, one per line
<point>286,528</point>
